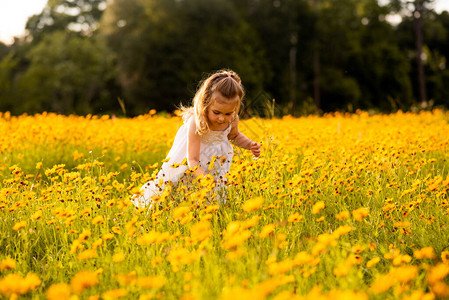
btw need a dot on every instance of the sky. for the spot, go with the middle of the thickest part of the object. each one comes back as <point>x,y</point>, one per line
<point>14,15</point>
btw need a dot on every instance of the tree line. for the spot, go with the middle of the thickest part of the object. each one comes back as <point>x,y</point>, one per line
<point>126,57</point>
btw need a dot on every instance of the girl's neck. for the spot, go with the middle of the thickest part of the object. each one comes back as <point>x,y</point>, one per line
<point>219,128</point>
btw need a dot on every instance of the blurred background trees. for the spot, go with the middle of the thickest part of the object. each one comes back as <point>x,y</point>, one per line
<point>81,56</point>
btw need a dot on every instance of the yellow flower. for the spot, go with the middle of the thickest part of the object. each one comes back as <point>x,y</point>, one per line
<point>59,291</point>
<point>317,207</point>
<point>84,235</point>
<point>180,212</point>
<point>419,295</point>
<point>236,239</point>
<point>181,256</point>
<point>235,254</point>
<point>7,264</point>
<point>97,243</point>
<point>296,217</point>
<point>382,284</point>
<point>211,208</point>
<point>327,239</point>
<point>360,213</point>
<point>201,231</point>
<point>252,204</point>
<point>85,166</point>
<point>267,230</point>
<point>116,230</point>
<point>343,229</point>
<point>249,223</point>
<point>401,224</point>
<point>118,257</point>
<point>302,258</point>
<point>343,215</point>
<point>372,262</point>
<point>357,248</point>
<point>114,294</point>
<point>83,280</point>
<point>404,274</point>
<point>76,245</point>
<point>49,222</point>
<point>98,219</point>
<point>148,238</point>
<point>426,252</point>
<point>108,236</point>
<point>87,254</point>
<point>347,294</point>
<point>320,219</point>
<point>445,257</point>
<point>14,284</point>
<point>32,281</point>
<point>154,282</point>
<point>441,289</point>
<point>280,267</point>
<point>401,259</point>
<point>127,279</point>
<point>437,273</point>
<point>19,225</point>
<point>37,215</point>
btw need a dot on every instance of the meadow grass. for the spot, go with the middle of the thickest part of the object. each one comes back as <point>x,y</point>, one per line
<point>343,205</point>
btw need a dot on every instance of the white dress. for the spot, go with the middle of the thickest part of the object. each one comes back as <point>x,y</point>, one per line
<point>213,144</point>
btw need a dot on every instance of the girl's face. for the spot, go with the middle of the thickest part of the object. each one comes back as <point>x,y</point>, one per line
<point>221,111</point>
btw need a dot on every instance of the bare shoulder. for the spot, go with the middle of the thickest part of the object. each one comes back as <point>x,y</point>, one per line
<point>192,128</point>
<point>193,144</point>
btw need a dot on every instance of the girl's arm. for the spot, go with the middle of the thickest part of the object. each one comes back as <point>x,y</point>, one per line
<point>193,149</point>
<point>241,140</point>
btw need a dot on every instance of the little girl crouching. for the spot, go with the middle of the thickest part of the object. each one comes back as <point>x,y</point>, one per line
<point>202,144</point>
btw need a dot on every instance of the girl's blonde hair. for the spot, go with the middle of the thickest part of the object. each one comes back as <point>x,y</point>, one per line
<point>227,83</point>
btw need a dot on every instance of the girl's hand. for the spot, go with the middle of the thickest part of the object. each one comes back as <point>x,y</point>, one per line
<point>255,149</point>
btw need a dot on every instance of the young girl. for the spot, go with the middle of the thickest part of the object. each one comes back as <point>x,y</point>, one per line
<point>204,137</point>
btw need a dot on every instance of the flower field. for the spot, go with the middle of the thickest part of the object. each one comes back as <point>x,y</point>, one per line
<point>337,207</point>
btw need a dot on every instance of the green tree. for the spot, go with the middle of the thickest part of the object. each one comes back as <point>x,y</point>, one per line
<point>286,30</point>
<point>381,67</point>
<point>436,49</point>
<point>66,74</point>
<point>77,16</point>
<point>7,66</point>
<point>361,64</point>
<point>4,50</point>
<point>164,48</point>
<point>416,13</point>
<point>342,54</point>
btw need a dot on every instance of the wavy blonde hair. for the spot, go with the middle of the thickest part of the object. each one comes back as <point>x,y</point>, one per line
<point>227,83</point>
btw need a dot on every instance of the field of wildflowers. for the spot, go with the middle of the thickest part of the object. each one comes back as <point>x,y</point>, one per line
<point>338,206</point>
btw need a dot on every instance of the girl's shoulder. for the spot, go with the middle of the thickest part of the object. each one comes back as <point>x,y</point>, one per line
<point>192,129</point>
<point>187,113</point>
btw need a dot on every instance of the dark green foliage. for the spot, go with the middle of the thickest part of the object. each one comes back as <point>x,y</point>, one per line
<point>165,47</point>
<point>80,16</point>
<point>81,56</point>
<point>66,73</point>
